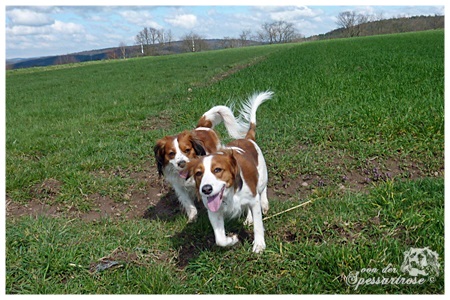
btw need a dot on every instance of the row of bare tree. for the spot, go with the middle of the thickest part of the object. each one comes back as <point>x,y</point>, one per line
<point>148,37</point>
<point>278,32</point>
<point>152,40</point>
<point>351,22</point>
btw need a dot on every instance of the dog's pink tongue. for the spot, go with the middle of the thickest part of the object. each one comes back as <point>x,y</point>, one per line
<point>214,202</point>
<point>183,174</point>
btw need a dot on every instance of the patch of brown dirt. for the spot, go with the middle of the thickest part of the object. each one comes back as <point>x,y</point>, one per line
<point>346,177</point>
<point>102,207</point>
<point>378,170</point>
<point>48,189</point>
<point>162,121</point>
<point>139,256</point>
<point>148,197</point>
<point>292,188</point>
<point>33,208</point>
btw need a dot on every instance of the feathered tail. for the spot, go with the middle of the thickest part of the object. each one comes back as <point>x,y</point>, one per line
<point>249,108</point>
<point>219,114</point>
<point>237,128</point>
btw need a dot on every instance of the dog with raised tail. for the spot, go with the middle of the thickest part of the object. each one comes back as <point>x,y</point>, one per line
<point>233,180</point>
<point>172,153</point>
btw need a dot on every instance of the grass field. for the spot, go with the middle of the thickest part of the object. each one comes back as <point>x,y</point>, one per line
<point>356,127</point>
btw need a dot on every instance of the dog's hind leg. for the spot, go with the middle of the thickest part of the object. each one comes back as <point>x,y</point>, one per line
<point>258,228</point>
<point>249,218</point>
<point>264,201</point>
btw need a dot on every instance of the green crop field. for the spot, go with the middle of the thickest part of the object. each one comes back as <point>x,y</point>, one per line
<point>355,131</point>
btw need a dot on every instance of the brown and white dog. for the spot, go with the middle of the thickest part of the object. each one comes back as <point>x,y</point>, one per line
<point>172,153</point>
<point>234,180</point>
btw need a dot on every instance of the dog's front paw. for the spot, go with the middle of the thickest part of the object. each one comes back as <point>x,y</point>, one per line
<point>192,216</point>
<point>232,240</point>
<point>227,241</point>
<point>259,247</point>
<point>192,219</point>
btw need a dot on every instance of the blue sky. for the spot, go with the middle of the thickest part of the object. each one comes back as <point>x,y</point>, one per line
<point>38,30</point>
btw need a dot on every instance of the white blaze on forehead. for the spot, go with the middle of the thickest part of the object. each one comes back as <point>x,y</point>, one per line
<point>176,145</point>
<point>179,156</point>
<point>209,177</point>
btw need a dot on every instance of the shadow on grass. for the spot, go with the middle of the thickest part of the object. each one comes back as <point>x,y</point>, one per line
<point>166,209</point>
<point>198,237</point>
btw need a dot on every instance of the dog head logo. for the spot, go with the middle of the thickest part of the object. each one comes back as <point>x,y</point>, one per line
<point>420,261</point>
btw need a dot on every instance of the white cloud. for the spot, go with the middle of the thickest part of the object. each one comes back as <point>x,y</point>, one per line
<point>212,12</point>
<point>292,13</point>
<point>140,18</point>
<point>16,31</point>
<point>66,28</point>
<point>37,39</point>
<point>57,28</point>
<point>187,21</point>
<point>97,18</point>
<point>28,17</point>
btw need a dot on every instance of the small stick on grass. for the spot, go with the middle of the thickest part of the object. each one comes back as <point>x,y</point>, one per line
<point>289,209</point>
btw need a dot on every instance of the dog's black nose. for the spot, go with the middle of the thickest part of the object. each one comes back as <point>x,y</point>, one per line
<point>207,189</point>
<point>182,163</point>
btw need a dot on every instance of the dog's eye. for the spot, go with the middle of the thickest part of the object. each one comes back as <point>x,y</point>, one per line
<point>171,154</point>
<point>198,174</point>
<point>217,170</point>
<point>187,150</point>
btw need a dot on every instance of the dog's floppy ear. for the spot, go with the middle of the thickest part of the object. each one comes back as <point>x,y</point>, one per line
<point>191,169</point>
<point>191,165</point>
<point>196,143</point>
<point>238,182</point>
<point>159,154</point>
<point>198,146</point>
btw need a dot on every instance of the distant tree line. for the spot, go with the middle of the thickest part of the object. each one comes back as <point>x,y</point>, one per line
<point>153,41</point>
<point>278,32</point>
<point>353,24</point>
